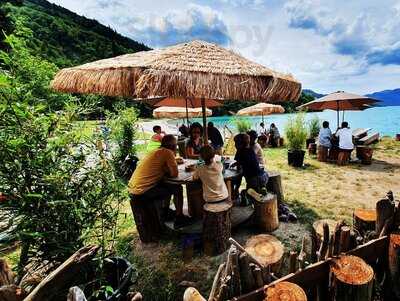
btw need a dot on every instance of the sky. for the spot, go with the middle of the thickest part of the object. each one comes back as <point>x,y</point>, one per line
<point>329,45</point>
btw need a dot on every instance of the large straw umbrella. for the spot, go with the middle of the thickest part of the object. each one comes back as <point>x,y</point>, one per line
<point>261,109</point>
<point>196,69</point>
<point>339,101</point>
<point>179,112</point>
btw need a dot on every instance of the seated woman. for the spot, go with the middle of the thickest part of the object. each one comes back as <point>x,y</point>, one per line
<point>256,147</point>
<point>325,135</point>
<point>195,142</point>
<point>274,135</point>
<point>210,174</point>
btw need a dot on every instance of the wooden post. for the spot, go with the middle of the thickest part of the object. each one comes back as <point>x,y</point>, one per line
<point>274,185</point>
<point>344,245</point>
<point>216,282</point>
<point>203,110</point>
<point>234,259</point>
<point>285,291</point>
<point>292,261</point>
<point>216,227</point>
<point>394,263</point>
<point>384,212</point>
<point>267,249</point>
<point>257,274</point>
<point>266,213</point>
<point>319,229</point>
<point>352,279</point>
<point>323,248</point>
<point>364,220</point>
<point>246,276</point>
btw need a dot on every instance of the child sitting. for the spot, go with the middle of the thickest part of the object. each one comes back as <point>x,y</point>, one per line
<point>210,174</point>
<point>155,141</point>
<point>246,159</point>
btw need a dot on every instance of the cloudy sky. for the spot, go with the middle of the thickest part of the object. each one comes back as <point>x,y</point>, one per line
<point>328,45</point>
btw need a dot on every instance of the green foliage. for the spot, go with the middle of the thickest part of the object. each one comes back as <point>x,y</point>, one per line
<point>290,107</point>
<point>313,127</point>
<point>231,106</point>
<point>242,125</point>
<point>296,132</point>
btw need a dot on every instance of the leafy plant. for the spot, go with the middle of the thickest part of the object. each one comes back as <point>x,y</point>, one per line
<point>313,127</point>
<point>296,132</point>
<point>242,125</point>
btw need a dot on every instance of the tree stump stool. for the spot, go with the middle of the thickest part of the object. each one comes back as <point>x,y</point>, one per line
<point>364,220</point>
<point>267,249</point>
<point>364,153</point>
<point>195,199</point>
<point>147,216</point>
<point>266,213</point>
<point>394,263</point>
<point>322,154</point>
<point>312,149</point>
<point>333,154</point>
<point>216,227</point>
<point>274,185</point>
<point>343,158</point>
<point>285,291</point>
<point>352,279</point>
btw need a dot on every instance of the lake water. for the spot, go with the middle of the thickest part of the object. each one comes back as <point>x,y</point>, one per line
<point>385,120</point>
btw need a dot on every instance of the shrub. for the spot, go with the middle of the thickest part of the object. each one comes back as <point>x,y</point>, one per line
<point>242,125</point>
<point>313,127</point>
<point>296,132</point>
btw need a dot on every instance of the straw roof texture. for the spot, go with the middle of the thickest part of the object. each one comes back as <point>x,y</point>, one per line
<point>261,109</point>
<point>196,70</point>
<point>179,112</point>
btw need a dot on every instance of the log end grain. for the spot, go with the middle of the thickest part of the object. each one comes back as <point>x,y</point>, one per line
<point>267,249</point>
<point>352,270</point>
<point>285,291</point>
<point>367,215</point>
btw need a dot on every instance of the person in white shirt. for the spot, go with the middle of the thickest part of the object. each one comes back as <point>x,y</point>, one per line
<point>345,136</point>
<point>256,147</point>
<point>210,174</point>
<point>325,135</point>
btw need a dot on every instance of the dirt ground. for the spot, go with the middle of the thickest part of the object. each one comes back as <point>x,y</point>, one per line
<point>319,190</point>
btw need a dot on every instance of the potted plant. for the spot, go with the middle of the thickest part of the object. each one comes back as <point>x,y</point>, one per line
<point>242,125</point>
<point>313,130</point>
<point>296,134</point>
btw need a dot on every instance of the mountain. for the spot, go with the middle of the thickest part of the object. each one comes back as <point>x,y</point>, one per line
<point>312,93</point>
<point>63,37</point>
<point>387,97</point>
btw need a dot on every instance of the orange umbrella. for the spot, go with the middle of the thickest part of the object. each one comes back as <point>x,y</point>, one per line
<point>179,112</point>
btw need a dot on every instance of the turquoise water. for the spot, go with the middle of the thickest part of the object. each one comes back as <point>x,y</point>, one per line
<point>385,120</point>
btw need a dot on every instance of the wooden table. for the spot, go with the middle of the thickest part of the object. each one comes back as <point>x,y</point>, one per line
<point>194,188</point>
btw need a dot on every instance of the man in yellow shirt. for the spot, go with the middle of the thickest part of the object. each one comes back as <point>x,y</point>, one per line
<point>146,183</point>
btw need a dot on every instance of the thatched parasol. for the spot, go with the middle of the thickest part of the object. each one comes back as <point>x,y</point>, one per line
<point>339,101</point>
<point>190,70</point>
<point>261,109</point>
<point>179,112</point>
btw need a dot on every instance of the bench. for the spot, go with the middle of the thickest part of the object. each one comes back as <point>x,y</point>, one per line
<point>369,139</point>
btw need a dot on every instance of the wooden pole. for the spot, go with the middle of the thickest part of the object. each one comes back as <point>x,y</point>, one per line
<point>187,113</point>
<point>384,212</point>
<point>246,276</point>
<point>394,263</point>
<point>205,131</point>
<point>215,283</point>
<point>292,261</point>
<point>344,239</point>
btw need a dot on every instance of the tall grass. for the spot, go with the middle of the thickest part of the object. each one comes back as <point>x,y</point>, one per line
<point>242,125</point>
<point>296,132</point>
<point>313,127</point>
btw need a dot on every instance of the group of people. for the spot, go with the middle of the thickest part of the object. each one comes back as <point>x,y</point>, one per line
<point>269,136</point>
<point>146,183</point>
<point>342,139</point>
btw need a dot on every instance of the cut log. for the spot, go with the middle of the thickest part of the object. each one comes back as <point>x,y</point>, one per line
<point>364,220</point>
<point>195,199</point>
<point>6,275</point>
<point>64,276</point>
<point>234,259</point>
<point>216,227</point>
<point>274,185</point>
<point>241,248</point>
<point>318,226</point>
<point>352,279</point>
<point>266,213</point>
<point>76,294</point>
<point>285,291</point>
<point>302,255</point>
<point>323,248</point>
<point>192,294</point>
<point>292,261</point>
<point>322,154</point>
<point>246,276</point>
<point>11,293</point>
<point>336,237</point>
<point>344,244</point>
<point>343,158</point>
<point>314,242</point>
<point>384,212</point>
<point>394,263</point>
<point>267,249</point>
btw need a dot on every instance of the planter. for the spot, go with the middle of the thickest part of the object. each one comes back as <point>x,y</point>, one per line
<point>309,141</point>
<point>296,157</point>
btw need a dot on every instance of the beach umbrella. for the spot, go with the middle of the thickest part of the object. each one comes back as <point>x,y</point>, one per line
<point>195,69</point>
<point>261,109</point>
<point>339,101</point>
<point>179,112</point>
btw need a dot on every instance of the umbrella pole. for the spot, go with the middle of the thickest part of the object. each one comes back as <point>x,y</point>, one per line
<point>343,116</point>
<point>262,114</point>
<point>203,109</point>
<point>337,111</point>
<point>187,113</point>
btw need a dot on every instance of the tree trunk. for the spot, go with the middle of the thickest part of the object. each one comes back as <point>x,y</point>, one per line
<point>285,291</point>
<point>64,276</point>
<point>216,227</point>
<point>384,212</point>
<point>266,213</point>
<point>274,185</point>
<point>267,249</point>
<point>364,220</point>
<point>394,263</point>
<point>352,279</point>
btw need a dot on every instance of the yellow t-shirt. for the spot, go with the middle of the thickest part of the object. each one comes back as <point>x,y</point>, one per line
<point>152,169</point>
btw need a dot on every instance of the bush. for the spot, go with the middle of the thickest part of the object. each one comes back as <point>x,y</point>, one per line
<point>242,125</point>
<point>313,127</point>
<point>296,132</point>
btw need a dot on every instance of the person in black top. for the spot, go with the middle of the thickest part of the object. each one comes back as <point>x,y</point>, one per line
<point>217,142</point>
<point>246,159</point>
<point>195,141</point>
